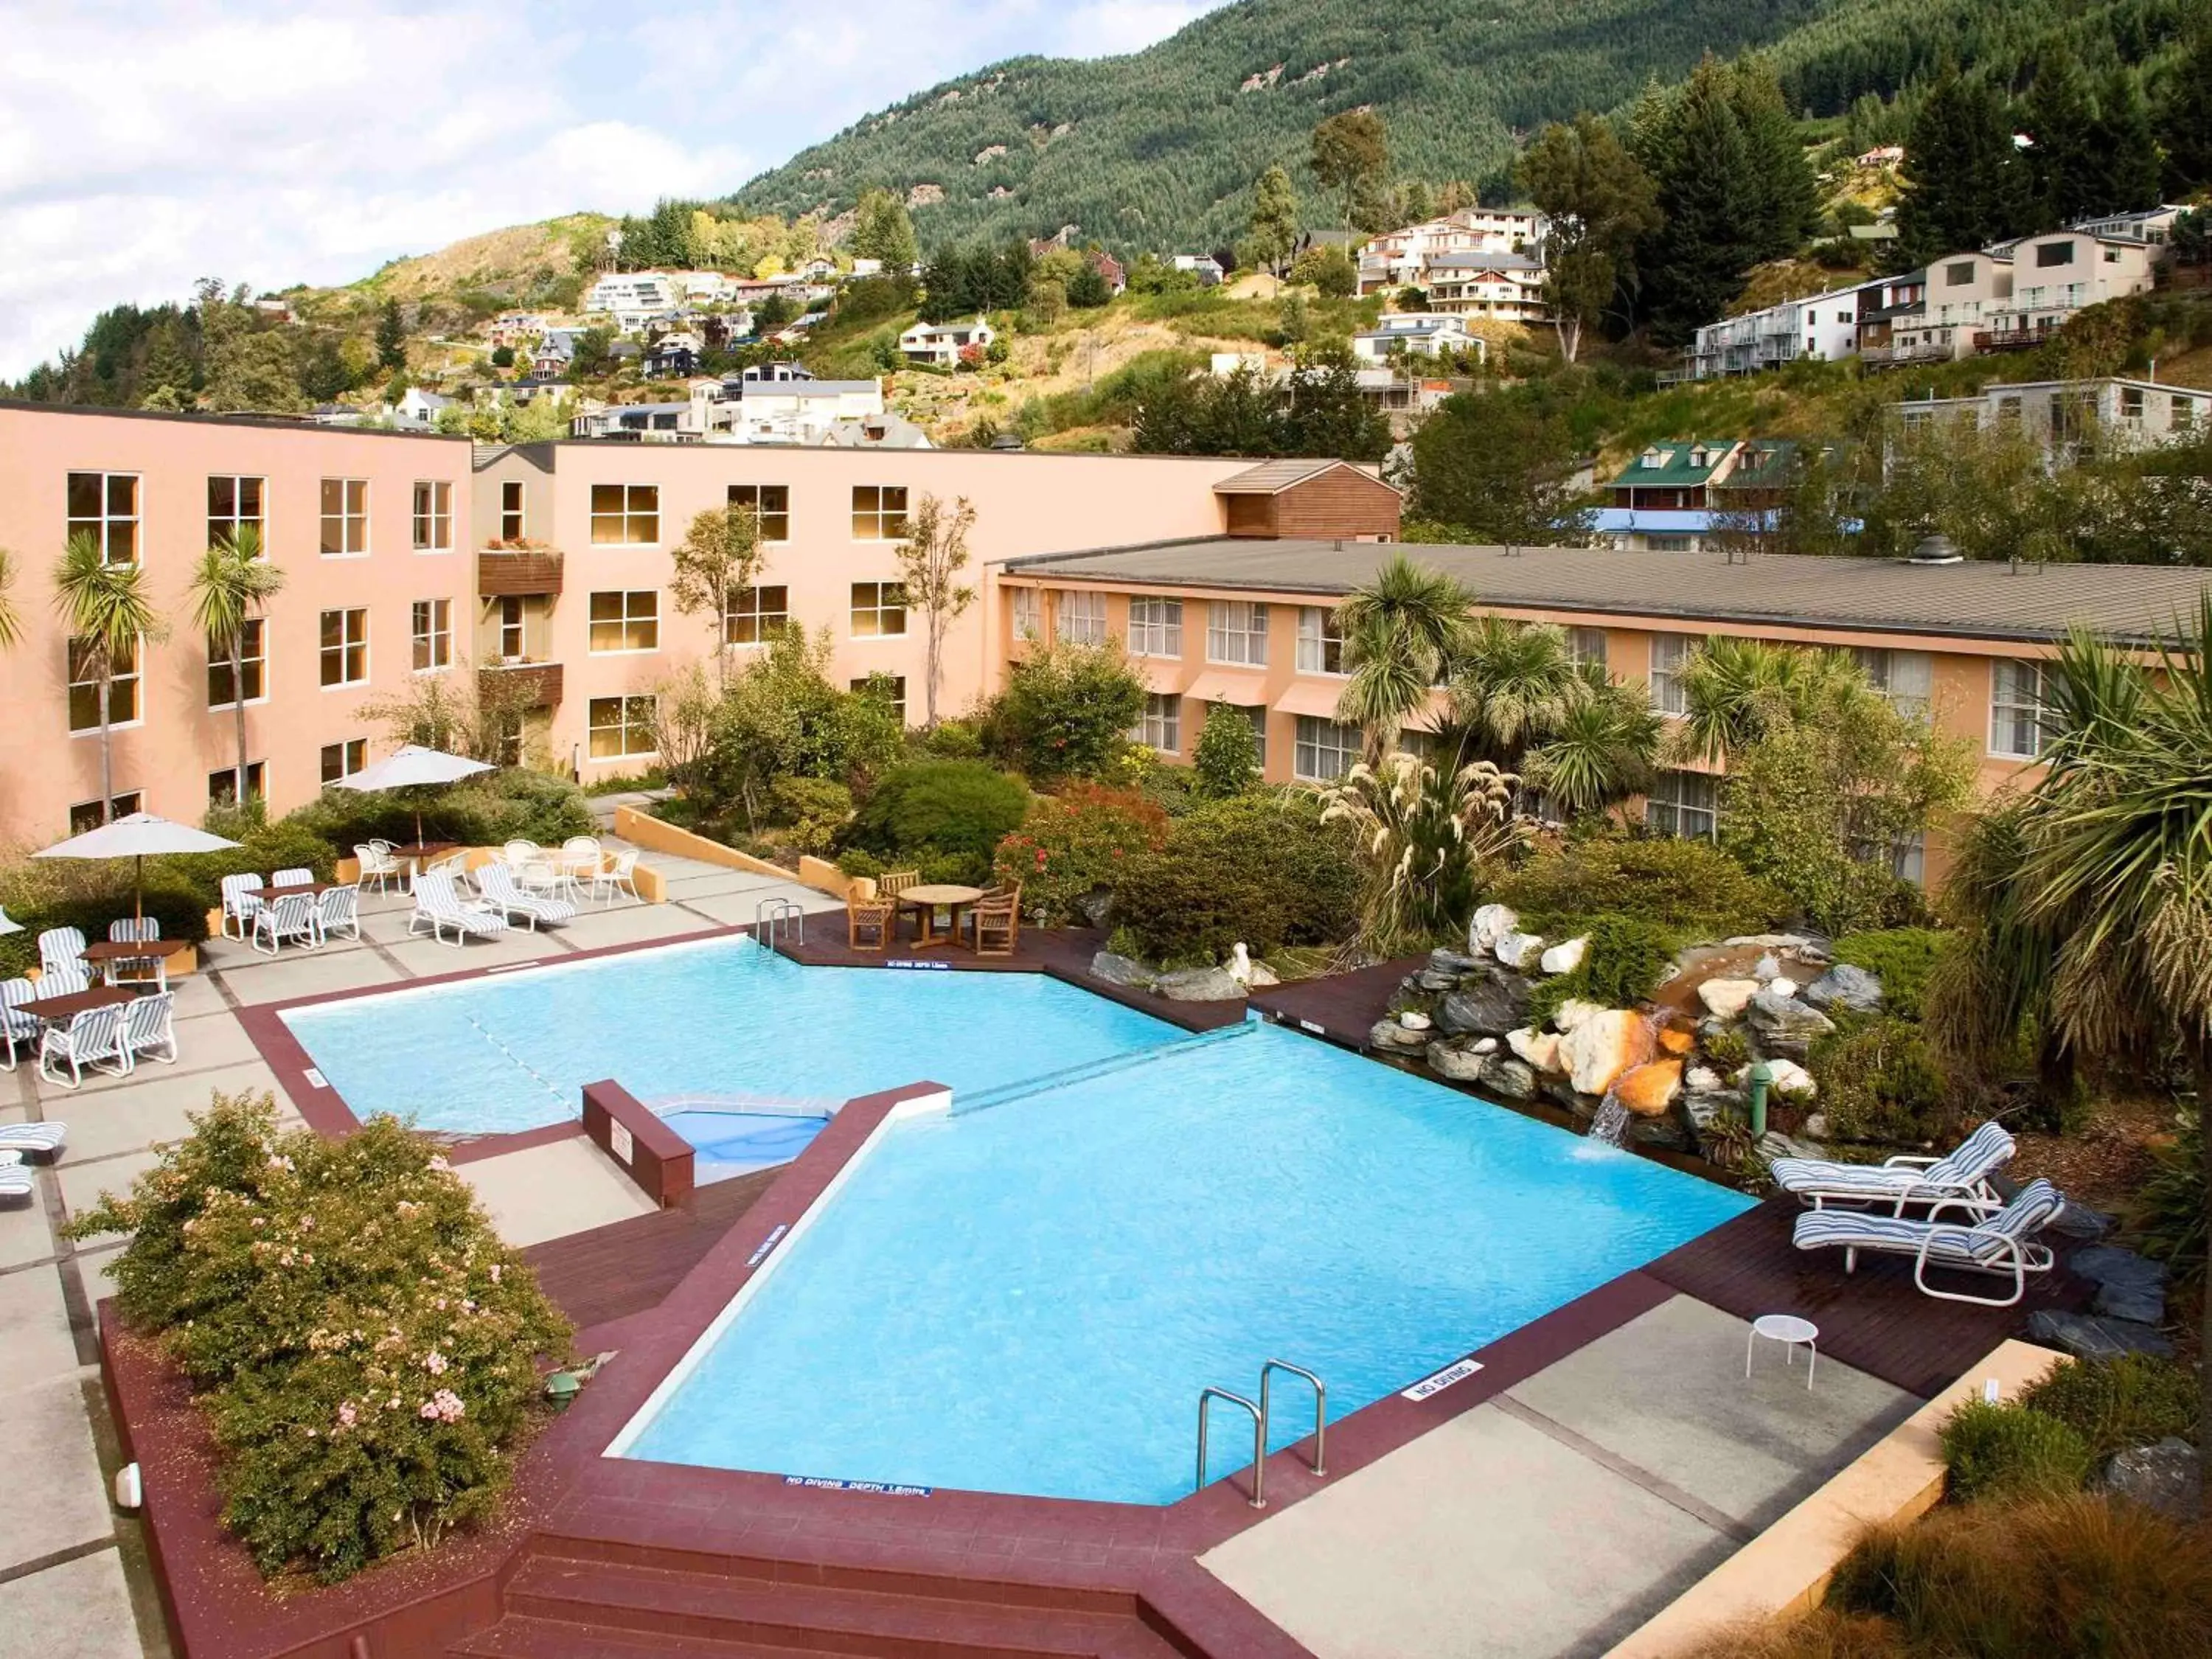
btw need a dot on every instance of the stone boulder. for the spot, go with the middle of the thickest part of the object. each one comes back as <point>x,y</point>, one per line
<point>1096,906</point>
<point>1602,1047</point>
<point>1389,1037</point>
<point>1846,986</point>
<point>1702,1080</point>
<point>1507,1079</point>
<point>1704,1109</point>
<point>1262,977</point>
<point>1198,985</point>
<point>1460,1064</point>
<point>1724,998</point>
<point>1563,957</point>
<point>1789,1079</point>
<point>1483,1046</point>
<point>1492,923</point>
<point>2088,1337</point>
<point>1414,1020</point>
<point>1782,986</point>
<point>1573,1011</point>
<point>2168,1477</point>
<point>1785,1025</point>
<point>2130,1287</point>
<point>1650,1088</point>
<point>1444,960</point>
<point>1122,970</point>
<point>1488,1001</point>
<point>1537,1049</point>
<point>1676,1040</point>
<point>1519,951</point>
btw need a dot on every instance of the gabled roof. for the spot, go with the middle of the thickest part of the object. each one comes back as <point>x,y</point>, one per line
<point>1676,463</point>
<point>1272,478</point>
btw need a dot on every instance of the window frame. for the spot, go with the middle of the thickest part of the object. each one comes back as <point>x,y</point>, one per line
<point>637,508</point>
<point>1156,626</point>
<point>1079,616</point>
<point>629,619</point>
<point>1664,682</point>
<point>257,783</point>
<point>880,514</point>
<point>106,522</point>
<point>130,678</point>
<point>346,647</point>
<point>513,513</point>
<point>1025,613</point>
<point>84,815</point>
<point>427,641</point>
<point>435,517</point>
<point>1256,624</point>
<point>352,515</point>
<point>881,608</point>
<point>1317,645</point>
<point>352,756</point>
<point>1159,724</point>
<point>897,699</point>
<point>220,524</point>
<point>2005,669</point>
<point>626,722</point>
<point>762,511</point>
<point>1316,737</point>
<point>1679,809</point>
<point>253,665</point>
<point>757,614</point>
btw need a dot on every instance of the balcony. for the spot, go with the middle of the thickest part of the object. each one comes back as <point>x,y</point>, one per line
<point>518,572</point>
<point>520,684</point>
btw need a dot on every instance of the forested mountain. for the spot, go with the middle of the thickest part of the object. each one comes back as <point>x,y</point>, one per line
<point>1161,148</point>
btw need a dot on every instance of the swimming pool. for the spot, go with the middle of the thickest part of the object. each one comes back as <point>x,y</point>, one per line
<point>1028,1298</point>
<point>513,1051</point>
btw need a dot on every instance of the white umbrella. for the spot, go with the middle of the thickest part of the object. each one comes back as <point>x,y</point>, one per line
<point>137,836</point>
<point>412,766</point>
<point>9,924</point>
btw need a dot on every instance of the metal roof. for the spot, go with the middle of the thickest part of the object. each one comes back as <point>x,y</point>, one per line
<point>1272,478</point>
<point>1673,466</point>
<point>1983,600</point>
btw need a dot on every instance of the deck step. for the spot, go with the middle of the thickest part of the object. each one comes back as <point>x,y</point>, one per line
<point>516,1637</point>
<point>736,1615</point>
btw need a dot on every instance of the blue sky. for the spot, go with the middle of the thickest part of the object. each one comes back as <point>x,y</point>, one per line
<point>145,145</point>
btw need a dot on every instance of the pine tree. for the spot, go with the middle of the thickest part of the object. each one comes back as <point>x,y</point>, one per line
<point>2061,118</point>
<point>1785,200</point>
<point>1274,223</point>
<point>2185,114</point>
<point>882,229</point>
<point>1695,264</point>
<point>391,338</point>
<point>2127,176</point>
<point>1965,183</point>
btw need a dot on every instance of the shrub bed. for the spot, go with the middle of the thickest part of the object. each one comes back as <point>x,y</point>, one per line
<point>1623,964</point>
<point>2011,1451</point>
<point>2132,1400</point>
<point>1879,1081</point>
<point>947,816</point>
<point>1901,957</point>
<point>1692,888</point>
<point>514,805</point>
<point>368,1348</point>
<point>1075,844</point>
<point>1259,869</point>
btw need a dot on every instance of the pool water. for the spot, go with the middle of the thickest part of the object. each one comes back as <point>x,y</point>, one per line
<point>513,1051</point>
<point>1028,1298</point>
<point>735,1143</point>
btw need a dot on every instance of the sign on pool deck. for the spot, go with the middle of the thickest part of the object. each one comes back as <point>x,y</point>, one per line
<point>1458,1371</point>
<point>883,1488</point>
<point>767,1244</point>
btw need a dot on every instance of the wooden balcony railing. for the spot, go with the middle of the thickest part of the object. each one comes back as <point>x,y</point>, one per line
<point>510,572</point>
<point>520,684</point>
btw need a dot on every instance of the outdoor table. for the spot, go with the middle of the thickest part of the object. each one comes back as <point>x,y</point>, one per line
<point>420,852</point>
<point>298,889</point>
<point>928,900</point>
<point>59,1011</point>
<point>109,955</point>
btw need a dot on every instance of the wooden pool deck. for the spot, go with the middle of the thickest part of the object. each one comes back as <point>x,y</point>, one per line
<point>1341,1007</point>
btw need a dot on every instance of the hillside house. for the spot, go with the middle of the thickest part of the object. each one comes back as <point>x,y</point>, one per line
<point>2076,415</point>
<point>1505,287</point>
<point>1403,257</point>
<point>1824,326</point>
<point>2054,277</point>
<point>673,354</point>
<point>1204,266</point>
<point>417,408</point>
<point>1665,500</point>
<point>940,345</point>
<point>1415,333</point>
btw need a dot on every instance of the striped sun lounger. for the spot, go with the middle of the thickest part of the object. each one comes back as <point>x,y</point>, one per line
<point>15,1181</point>
<point>1963,1172</point>
<point>43,1137</point>
<point>1987,1239</point>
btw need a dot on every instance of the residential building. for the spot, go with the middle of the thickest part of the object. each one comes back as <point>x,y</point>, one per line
<point>1204,266</point>
<point>1823,326</point>
<point>800,409</point>
<point>1404,398</point>
<point>2112,411</point>
<point>635,291</point>
<point>417,408</point>
<point>1416,333</point>
<point>514,328</point>
<point>1667,500</point>
<point>872,432</point>
<point>1504,288</point>
<point>676,353</point>
<point>554,352</point>
<point>2153,227</point>
<point>1404,258</point>
<point>2055,276</point>
<point>941,345</point>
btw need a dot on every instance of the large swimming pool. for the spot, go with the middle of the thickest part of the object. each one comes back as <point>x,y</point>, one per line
<point>1028,1298</point>
<point>722,1017</point>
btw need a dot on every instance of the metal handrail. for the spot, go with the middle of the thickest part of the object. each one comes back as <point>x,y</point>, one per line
<point>1259,1442</point>
<point>769,915</point>
<point>1320,1401</point>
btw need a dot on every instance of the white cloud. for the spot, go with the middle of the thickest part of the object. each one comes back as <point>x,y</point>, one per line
<point>142,146</point>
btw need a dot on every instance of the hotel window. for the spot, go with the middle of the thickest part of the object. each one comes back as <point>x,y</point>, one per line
<point>625,515</point>
<point>891,688</point>
<point>1325,750</point>
<point>434,517</point>
<point>343,760</point>
<point>433,632</point>
<point>1256,713</point>
<point>2054,253</point>
<point>222,787</point>
<point>105,506</point>
<point>626,621</point>
<point>345,517</point>
<point>2016,709</point>
<point>1907,678</point>
<point>513,637</point>
<point>756,615</point>
<point>1079,618</point>
<point>86,814</point>
<point>1237,632</point>
<point>621,728</point>
<point>252,665</point>
<point>1321,646</point>
<point>1155,627</point>
<point>344,647</point>
<point>1668,653</point>
<point>1683,803</point>
<point>2131,402</point>
<point>879,609</point>
<point>1160,726</point>
<point>878,512</point>
<point>1959,275</point>
<point>84,687</point>
<point>1586,645</point>
<point>771,505</point>
<point>1027,613</point>
<point>235,503</point>
<point>510,511</point>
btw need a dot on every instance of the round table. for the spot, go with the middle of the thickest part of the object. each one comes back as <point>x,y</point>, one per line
<point>928,899</point>
<point>1792,1333</point>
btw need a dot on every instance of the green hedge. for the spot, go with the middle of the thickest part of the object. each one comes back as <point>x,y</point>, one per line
<point>1879,1081</point>
<point>2113,1404</point>
<point>947,816</point>
<point>1689,887</point>
<point>509,805</point>
<point>1901,957</point>
<point>1262,870</point>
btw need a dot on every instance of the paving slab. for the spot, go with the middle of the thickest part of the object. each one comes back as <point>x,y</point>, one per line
<point>83,1184</point>
<point>1485,1539</point>
<point>196,994</point>
<point>551,1191</point>
<point>742,908</point>
<point>35,1344</point>
<point>308,972</point>
<point>24,1235</point>
<point>51,1457</point>
<point>631,924</point>
<point>210,1045</point>
<point>151,1106</point>
<point>79,1609</point>
<point>425,957</point>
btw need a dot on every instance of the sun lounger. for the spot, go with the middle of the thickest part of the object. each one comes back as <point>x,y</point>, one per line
<point>497,882</point>
<point>439,907</point>
<point>42,1136</point>
<point>15,1181</point>
<point>1963,1172</point>
<point>1967,1235</point>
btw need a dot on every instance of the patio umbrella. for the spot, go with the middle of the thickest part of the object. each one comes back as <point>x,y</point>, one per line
<point>136,837</point>
<point>9,924</point>
<point>410,767</point>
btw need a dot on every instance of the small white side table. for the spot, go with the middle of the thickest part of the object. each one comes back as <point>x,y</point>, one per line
<point>1790,1332</point>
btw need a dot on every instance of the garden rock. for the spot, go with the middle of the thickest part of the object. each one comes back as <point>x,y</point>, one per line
<point>1492,923</point>
<point>1442,961</point>
<point>1435,979</point>
<point>1650,1088</point>
<point>1483,1046</point>
<point>1844,985</point>
<point>1413,1020</point>
<point>1262,977</point>
<point>1122,970</point>
<point>1767,968</point>
<point>2110,1265</point>
<point>1784,1024</point>
<point>1539,1049</point>
<point>1509,1079</point>
<point>1789,1078</point>
<point>1676,1041</point>
<point>1772,942</point>
<point>1782,986</point>
<point>1198,984</point>
<point>1564,958</point>
<point>1095,906</point>
<point>1602,1047</point>
<point>2080,1221</point>
<point>1573,1011</point>
<point>2168,1477</point>
<point>1460,1064</point>
<point>2090,1338</point>
<point>1518,951</point>
<point>1489,1001</point>
<point>1727,998</point>
<point>1704,1109</point>
<point>1774,1144</point>
<point>1702,1080</point>
<point>1391,1037</point>
<point>2145,1305</point>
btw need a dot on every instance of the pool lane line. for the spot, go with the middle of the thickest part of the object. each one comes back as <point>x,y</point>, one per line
<point>517,1061</point>
<point>1068,1076</point>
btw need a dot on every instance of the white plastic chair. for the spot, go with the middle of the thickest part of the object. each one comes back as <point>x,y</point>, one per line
<point>240,899</point>
<point>149,1028</point>
<point>16,1026</point>
<point>439,907</point>
<point>580,862</point>
<point>64,979</point>
<point>520,852</point>
<point>296,917</point>
<point>60,947</point>
<point>618,876</point>
<point>133,929</point>
<point>376,864</point>
<point>94,1038</point>
<point>338,911</point>
<point>295,877</point>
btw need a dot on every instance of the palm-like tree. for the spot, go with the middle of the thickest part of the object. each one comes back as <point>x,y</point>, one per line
<point>1511,687</point>
<point>106,607</point>
<point>1402,632</point>
<point>1731,686</point>
<point>11,621</point>
<point>233,583</point>
<point>1600,751</point>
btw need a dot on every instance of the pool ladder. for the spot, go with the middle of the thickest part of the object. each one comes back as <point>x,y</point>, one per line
<point>1260,1414</point>
<point>772,915</point>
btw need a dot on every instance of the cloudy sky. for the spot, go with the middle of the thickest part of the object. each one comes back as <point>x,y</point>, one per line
<point>145,144</point>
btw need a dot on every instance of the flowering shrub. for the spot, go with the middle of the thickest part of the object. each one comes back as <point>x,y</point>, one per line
<point>1074,844</point>
<point>367,1346</point>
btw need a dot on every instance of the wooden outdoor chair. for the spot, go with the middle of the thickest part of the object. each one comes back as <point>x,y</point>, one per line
<point>996,920</point>
<point>892,882</point>
<point>870,923</point>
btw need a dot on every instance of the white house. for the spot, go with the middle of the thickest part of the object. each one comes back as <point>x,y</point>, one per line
<point>417,408</point>
<point>1506,288</point>
<point>939,344</point>
<point>2114,410</point>
<point>634,290</point>
<point>1401,258</point>
<point>1425,333</point>
<point>796,410</point>
<point>1204,266</point>
<point>1823,325</point>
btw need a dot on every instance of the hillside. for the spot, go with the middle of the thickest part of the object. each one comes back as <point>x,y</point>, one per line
<point>1160,148</point>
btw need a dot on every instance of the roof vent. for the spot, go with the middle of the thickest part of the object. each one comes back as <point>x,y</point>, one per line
<point>1935,549</point>
<point>1006,440</point>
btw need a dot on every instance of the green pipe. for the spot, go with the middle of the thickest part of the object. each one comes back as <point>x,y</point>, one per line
<point>1762,1078</point>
